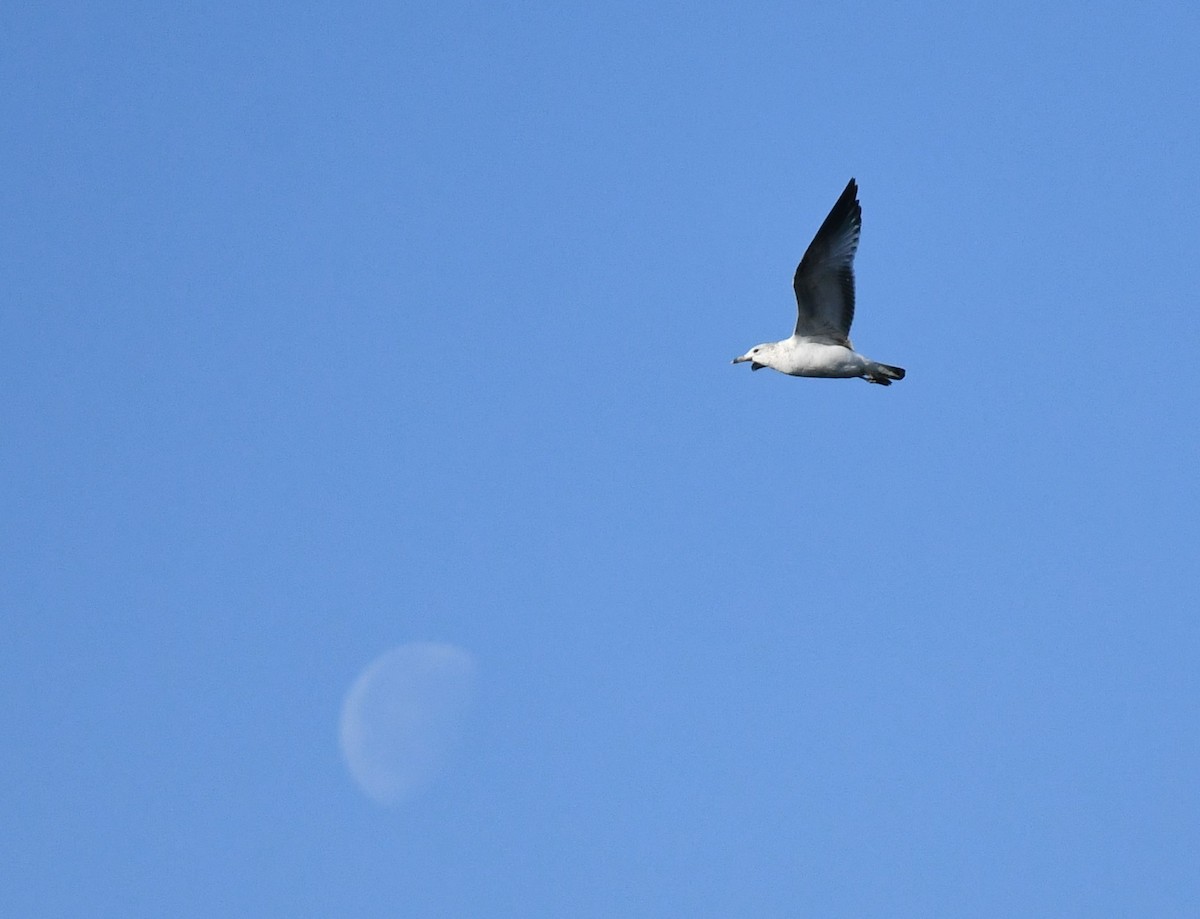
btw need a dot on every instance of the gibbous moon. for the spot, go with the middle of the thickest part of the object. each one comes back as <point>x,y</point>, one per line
<point>403,715</point>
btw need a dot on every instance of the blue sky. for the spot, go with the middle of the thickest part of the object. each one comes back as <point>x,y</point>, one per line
<point>330,328</point>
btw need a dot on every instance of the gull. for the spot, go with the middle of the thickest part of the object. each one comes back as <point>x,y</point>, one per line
<point>824,285</point>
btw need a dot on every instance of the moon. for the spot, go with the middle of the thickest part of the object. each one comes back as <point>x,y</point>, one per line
<point>403,715</point>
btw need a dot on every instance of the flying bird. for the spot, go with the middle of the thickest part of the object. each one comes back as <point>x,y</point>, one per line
<point>824,285</point>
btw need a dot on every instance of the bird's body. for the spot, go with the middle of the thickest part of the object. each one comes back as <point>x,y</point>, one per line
<point>802,357</point>
<point>824,286</point>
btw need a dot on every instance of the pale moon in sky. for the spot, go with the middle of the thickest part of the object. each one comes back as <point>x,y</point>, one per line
<point>403,715</point>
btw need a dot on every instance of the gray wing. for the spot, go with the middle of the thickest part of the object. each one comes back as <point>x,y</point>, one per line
<point>824,281</point>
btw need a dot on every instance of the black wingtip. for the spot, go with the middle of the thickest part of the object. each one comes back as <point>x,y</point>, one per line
<point>846,211</point>
<point>849,195</point>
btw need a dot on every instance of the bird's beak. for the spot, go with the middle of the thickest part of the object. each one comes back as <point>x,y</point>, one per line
<point>739,360</point>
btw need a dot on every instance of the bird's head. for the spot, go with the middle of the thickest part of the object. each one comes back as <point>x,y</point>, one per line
<point>759,356</point>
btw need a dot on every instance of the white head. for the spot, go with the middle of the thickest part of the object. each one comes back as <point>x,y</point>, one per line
<point>760,356</point>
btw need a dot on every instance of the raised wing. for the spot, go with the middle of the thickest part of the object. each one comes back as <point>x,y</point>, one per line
<point>824,281</point>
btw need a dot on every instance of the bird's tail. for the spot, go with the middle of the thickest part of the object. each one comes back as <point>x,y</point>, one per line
<point>883,374</point>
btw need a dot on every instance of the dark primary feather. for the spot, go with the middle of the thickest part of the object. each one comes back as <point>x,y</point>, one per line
<point>824,281</point>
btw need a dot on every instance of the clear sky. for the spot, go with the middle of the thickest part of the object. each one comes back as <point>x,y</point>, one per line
<point>327,329</point>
